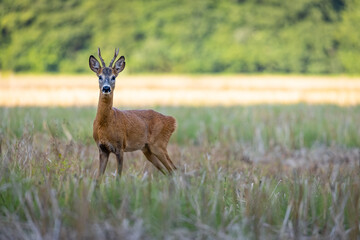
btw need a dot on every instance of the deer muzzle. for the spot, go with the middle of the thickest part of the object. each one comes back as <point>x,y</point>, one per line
<point>106,89</point>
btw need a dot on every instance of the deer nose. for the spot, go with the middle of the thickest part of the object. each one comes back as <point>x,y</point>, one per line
<point>106,89</point>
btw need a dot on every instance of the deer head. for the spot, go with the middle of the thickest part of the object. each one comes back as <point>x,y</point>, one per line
<point>107,75</point>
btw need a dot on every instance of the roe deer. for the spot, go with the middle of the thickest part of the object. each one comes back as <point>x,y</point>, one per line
<point>116,131</point>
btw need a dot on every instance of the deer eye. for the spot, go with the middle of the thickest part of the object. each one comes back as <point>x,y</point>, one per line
<point>100,78</point>
<point>113,78</point>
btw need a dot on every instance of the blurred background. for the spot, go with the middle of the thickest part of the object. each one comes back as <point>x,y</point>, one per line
<point>172,36</point>
<point>247,52</point>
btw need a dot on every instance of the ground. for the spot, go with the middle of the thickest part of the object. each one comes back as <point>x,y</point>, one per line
<point>265,171</point>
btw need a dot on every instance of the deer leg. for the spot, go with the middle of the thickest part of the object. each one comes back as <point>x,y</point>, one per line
<point>120,158</point>
<point>104,157</point>
<point>152,158</point>
<point>159,153</point>
<point>168,158</point>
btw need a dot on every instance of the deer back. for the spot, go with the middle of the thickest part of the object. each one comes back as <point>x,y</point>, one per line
<point>132,129</point>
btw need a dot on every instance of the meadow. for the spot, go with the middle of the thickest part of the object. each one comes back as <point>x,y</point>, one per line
<point>244,172</point>
<point>258,156</point>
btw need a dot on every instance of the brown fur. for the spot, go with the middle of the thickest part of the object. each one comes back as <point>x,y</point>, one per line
<point>116,131</point>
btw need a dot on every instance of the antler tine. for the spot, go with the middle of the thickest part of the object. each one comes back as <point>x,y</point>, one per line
<point>115,55</point>
<point>101,59</point>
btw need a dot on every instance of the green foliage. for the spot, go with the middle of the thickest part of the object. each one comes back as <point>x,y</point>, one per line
<point>305,36</point>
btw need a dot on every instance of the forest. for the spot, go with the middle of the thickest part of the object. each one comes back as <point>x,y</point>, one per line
<point>182,36</point>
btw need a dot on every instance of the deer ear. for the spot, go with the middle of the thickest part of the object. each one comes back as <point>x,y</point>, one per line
<point>94,64</point>
<point>119,65</point>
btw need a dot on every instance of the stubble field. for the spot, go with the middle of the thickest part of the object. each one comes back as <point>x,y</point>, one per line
<point>264,171</point>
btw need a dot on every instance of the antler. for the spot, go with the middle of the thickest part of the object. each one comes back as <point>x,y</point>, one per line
<point>115,55</point>
<point>101,59</point>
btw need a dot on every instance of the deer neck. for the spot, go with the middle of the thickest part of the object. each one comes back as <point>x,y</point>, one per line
<point>104,109</point>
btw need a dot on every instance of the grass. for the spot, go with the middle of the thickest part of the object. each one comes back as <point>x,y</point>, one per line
<point>253,172</point>
<point>291,126</point>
